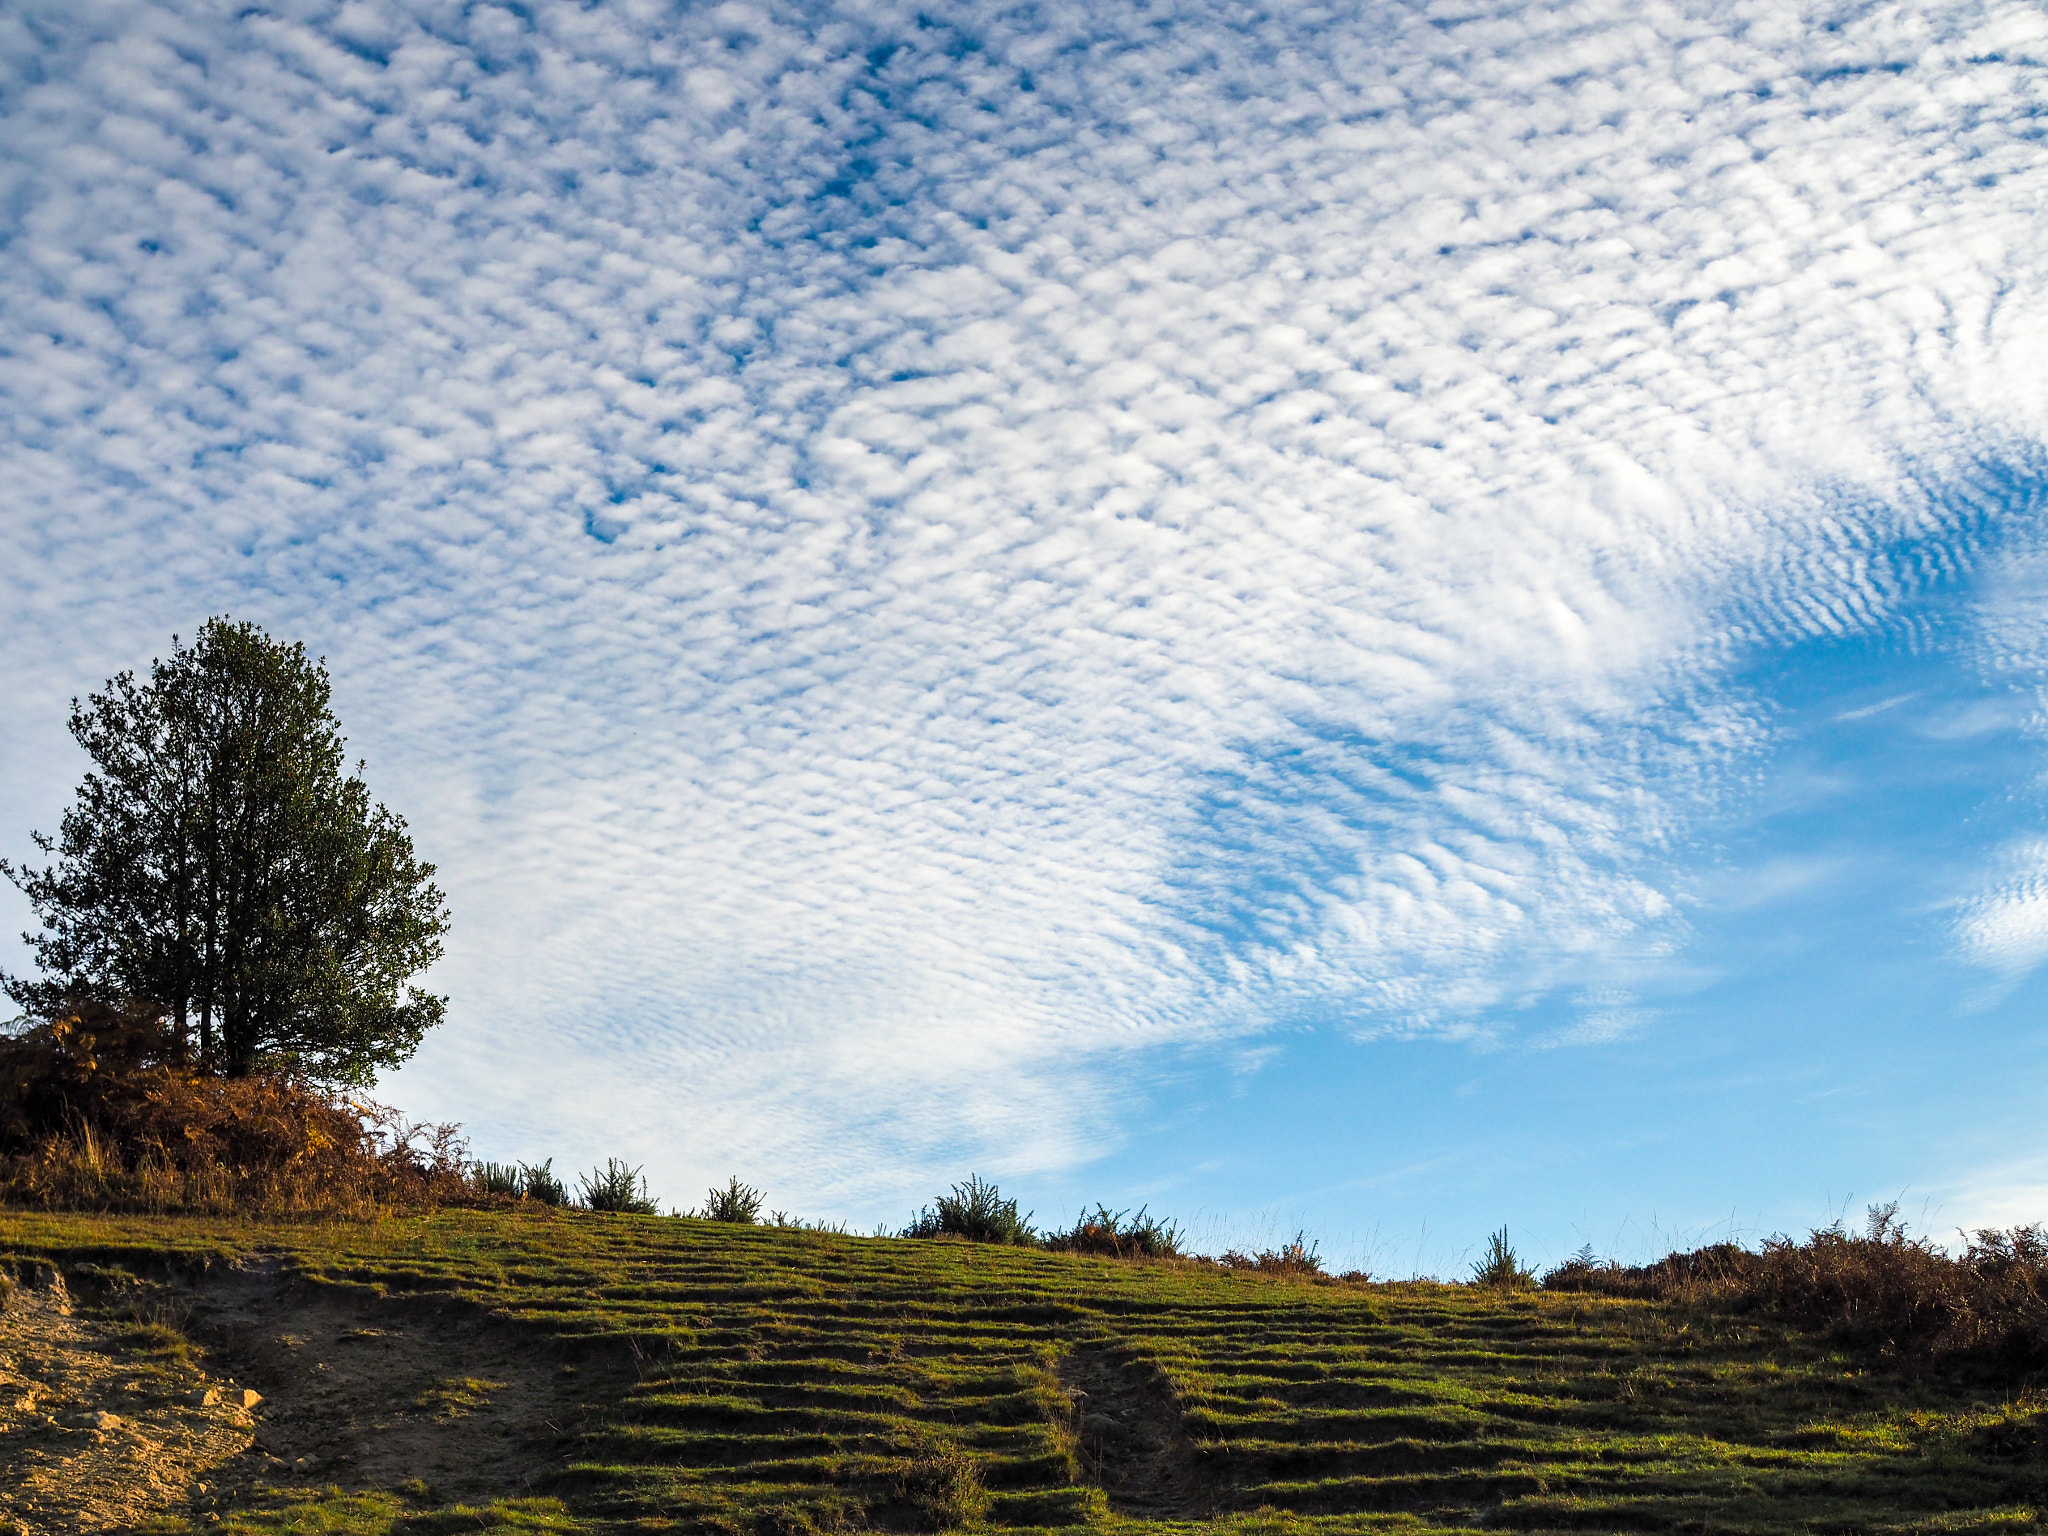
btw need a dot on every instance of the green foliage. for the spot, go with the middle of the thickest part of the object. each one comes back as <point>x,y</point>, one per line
<point>736,1202</point>
<point>977,1212</point>
<point>1502,1267</point>
<point>221,865</point>
<point>617,1186</point>
<point>1119,1234</point>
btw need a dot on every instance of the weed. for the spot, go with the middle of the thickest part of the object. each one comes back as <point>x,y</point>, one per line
<point>736,1202</point>
<point>617,1186</point>
<point>1502,1267</point>
<point>977,1212</point>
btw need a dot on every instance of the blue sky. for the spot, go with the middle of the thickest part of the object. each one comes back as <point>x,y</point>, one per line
<point>1382,619</point>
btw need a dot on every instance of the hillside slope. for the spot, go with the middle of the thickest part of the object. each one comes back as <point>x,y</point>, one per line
<point>541,1370</point>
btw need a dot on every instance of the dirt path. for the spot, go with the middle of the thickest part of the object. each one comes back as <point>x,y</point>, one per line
<point>1132,1444</point>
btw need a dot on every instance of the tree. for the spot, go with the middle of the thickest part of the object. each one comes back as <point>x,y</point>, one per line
<point>220,865</point>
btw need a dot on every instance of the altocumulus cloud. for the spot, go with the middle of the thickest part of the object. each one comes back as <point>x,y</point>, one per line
<point>896,553</point>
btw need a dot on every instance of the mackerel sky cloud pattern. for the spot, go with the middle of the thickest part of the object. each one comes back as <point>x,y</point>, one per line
<point>902,557</point>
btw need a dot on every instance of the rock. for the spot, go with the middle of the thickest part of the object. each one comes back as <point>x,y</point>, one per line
<point>205,1397</point>
<point>249,1397</point>
<point>41,1275</point>
<point>104,1420</point>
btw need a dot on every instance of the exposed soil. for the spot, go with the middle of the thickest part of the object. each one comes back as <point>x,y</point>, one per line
<point>373,1392</point>
<point>1132,1444</point>
<point>343,1387</point>
<point>93,1438</point>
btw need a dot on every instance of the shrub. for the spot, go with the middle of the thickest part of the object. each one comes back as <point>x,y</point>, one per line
<point>1120,1235</point>
<point>499,1179</point>
<point>1722,1269</point>
<point>1298,1258</point>
<point>617,1186</point>
<point>1502,1267</point>
<point>520,1181</point>
<point>538,1182</point>
<point>98,1108</point>
<point>975,1211</point>
<point>1885,1290</point>
<point>737,1202</point>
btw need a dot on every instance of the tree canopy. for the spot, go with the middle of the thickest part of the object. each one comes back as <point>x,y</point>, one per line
<point>221,864</point>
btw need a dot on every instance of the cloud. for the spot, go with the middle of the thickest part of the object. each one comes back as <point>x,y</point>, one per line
<point>2006,926</point>
<point>892,553</point>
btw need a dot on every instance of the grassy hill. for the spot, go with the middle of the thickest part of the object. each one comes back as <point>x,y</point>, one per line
<point>691,1376</point>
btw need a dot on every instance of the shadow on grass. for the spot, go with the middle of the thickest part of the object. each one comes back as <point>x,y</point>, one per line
<point>332,1512</point>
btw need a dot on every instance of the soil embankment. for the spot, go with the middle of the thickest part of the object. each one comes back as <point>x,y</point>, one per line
<point>109,1414</point>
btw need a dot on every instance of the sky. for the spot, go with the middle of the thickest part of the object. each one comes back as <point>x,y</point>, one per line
<point>1374,620</point>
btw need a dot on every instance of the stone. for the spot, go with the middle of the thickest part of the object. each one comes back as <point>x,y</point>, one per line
<point>205,1397</point>
<point>246,1398</point>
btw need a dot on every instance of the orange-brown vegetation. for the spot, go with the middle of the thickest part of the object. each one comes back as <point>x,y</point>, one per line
<point>100,1109</point>
<point>1884,1290</point>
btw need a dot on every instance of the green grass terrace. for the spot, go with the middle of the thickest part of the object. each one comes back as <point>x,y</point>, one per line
<point>754,1381</point>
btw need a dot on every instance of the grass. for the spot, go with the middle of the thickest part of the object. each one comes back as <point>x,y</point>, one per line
<point>791,1382</point>
<point>454,1396</point>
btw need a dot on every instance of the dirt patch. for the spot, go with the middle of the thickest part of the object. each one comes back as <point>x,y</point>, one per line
<point>371,1392</point>
<point>1132,1444</point>
<point>94,1434</point>
<point>186,1394</point>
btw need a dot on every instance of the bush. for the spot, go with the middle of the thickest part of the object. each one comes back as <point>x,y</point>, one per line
<point>98,1108</point>
<point>1718,1270</point>
<point>520,1181</point>
<point>737,1202</point>
<point>1502,1267</point>
<point>499,1179</point>
<point>1119,1235</point>
<point>975,1211</point>
<point>617,1186</point>
<point>1884,1291</point>
<point>538,1182</point>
